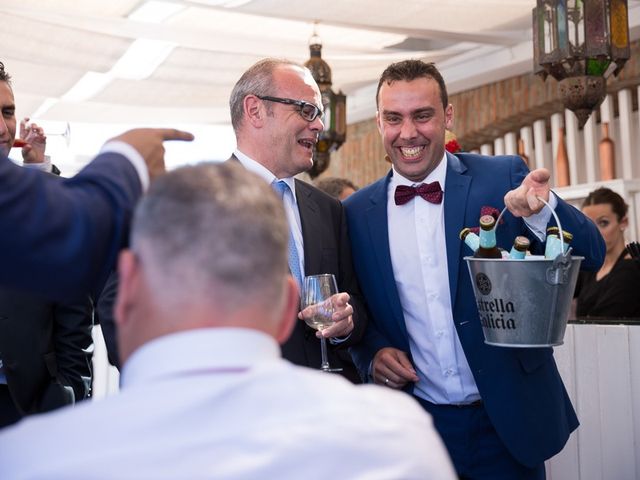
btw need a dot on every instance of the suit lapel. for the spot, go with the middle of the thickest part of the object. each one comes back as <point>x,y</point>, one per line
<point>455,203</point>
<point>377,222</point>
<point>312,230</point>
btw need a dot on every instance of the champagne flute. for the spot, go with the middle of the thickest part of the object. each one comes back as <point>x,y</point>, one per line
<point>316,300</point>
<point>66,136</point>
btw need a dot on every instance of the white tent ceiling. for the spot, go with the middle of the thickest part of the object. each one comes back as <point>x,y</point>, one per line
<point>205,45</point>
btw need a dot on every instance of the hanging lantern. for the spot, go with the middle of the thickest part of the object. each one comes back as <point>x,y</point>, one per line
<point>335,110</point>
<point>580,43</point>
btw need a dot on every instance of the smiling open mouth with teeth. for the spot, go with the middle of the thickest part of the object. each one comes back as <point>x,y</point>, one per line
<point>306,143</point>
<point>411,152</point>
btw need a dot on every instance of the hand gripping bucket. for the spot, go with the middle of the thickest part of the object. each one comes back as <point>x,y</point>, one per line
<point>524,303</point>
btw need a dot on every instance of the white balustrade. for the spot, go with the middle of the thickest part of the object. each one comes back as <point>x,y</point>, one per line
<point>600,367</point>
<point>510,144</point>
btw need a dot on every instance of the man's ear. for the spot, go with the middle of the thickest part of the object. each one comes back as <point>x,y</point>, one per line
<point>127,271</point>
<point>254,111</point>
<point>289,315</point>
<point>448,117</point>
<point>379,122</point>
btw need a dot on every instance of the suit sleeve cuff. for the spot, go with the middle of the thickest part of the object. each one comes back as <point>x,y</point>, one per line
<point>538,222</point>
<point>44,166</point>
<point>133,156</point>
<point>339,340</point>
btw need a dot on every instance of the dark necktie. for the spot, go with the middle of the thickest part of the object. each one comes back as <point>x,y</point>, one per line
<point>431,192</point>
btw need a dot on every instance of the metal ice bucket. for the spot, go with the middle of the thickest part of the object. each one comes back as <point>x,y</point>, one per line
<point>524,303</point>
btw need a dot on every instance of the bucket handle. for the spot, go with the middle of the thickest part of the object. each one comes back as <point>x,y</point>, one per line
<point>558,273</point>
<point>561,233</point>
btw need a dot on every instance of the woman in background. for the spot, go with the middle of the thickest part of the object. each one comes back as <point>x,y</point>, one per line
<point>611,292</point>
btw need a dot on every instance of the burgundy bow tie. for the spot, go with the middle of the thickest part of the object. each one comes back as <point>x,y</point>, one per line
<point>431,192</point>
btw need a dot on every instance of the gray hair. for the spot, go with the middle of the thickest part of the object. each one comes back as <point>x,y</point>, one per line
<point>257,80</point>
<point>212,232</point>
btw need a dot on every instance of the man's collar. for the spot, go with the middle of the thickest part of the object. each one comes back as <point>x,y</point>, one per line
<point>439,175</point>
<point>259,169</point>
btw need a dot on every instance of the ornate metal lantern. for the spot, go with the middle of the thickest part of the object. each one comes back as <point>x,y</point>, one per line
<point>580,43</point>
<point>335,110</point>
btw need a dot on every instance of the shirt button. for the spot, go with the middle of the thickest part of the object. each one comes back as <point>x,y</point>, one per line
<point>439,333</point>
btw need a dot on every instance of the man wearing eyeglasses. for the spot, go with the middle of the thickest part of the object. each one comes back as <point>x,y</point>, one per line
<point>276,113</point>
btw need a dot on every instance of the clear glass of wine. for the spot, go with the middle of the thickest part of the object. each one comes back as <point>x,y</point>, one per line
<point>317,307</point>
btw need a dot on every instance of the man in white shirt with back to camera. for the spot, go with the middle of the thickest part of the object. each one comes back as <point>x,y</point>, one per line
<point>205,297</point>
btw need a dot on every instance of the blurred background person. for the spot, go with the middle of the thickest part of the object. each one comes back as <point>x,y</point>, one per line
<point>35,144</point>
<point>339,188</point>
<point>612,291</point>
<point>45,347</point>
<point>77,225</point>
<point>45,354</point>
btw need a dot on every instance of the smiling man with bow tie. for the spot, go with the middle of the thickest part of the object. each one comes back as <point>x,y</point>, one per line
<point>501,412</point>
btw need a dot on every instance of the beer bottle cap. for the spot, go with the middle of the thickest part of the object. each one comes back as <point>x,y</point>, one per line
<point>553,230</point>
<point>521,243</point>
<point>464,232</point>
<point>567,236</point>
<point>487,222</point>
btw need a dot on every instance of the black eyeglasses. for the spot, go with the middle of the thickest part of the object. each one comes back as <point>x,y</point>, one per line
<point>307,110</point>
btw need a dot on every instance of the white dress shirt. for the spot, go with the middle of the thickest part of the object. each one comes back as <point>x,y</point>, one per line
<point>419,258</point>
<point>221,403</point>
<point>290,201</point>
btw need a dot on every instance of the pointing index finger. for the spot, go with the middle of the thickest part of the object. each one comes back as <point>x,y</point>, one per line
<point>174,134</point>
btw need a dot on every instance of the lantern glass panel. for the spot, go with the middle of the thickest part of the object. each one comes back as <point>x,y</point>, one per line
<point>620,25</point>
<point>538,39</point>
<point>562,28</point>
<point>550,43</point>
<point>597,29</point>
<point>575,16</point>
<point>597,67</point>
<point>327,103</point>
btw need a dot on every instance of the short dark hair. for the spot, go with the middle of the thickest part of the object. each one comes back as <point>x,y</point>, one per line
<point>334,186</point>
<point>408,70</point>
<point>604,195</point>
<point>4,76</point>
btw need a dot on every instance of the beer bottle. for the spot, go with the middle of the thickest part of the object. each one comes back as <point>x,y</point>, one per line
<point>567,237</point>
<point>487,247</point>
<point>520,246</point>
<point>553,244</point>
<point>471,239</point>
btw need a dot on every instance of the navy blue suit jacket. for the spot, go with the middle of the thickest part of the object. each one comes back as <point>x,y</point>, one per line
<point>60,238</point>
<point>521,388</point>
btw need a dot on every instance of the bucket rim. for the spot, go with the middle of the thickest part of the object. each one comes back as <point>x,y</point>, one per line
<point>541,259</point>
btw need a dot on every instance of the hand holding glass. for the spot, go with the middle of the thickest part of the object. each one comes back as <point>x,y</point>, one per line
<point>317,304</point>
